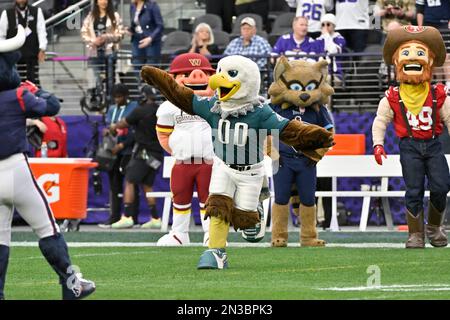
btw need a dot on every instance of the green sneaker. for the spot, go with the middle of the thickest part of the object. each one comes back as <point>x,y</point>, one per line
<point>213,259</point>
<point>123,223</point>
<point>256,234</point>
<point>152,224</point>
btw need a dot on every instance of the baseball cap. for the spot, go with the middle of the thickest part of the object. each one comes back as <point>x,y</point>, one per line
<point>329,17</point>
<point>187,62</point>
<point>248,20</point>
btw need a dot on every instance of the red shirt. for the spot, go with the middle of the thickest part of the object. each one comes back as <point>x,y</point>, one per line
<point>421,125</point>
<point>55,136</point>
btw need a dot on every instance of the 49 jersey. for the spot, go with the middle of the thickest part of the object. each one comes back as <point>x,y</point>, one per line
<point>422,123</point>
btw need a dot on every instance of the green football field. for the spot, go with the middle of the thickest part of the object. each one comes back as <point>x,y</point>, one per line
<point>127,265</point>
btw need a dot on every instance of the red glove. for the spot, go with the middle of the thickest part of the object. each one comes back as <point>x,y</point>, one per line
<point>30,86</point>
<point>378,151</point>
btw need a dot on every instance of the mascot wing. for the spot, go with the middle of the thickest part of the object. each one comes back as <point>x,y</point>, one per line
<point>178,95</point>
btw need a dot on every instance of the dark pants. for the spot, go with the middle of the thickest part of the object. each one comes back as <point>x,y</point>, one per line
<point>260,7</point>
<point>325,184</point>
<point>104,68</point>
<point>116,180</point>
<point>224,9</point>
<point>356,39</point>
<point>28,69</point>
<point>149,55</point>
<point>420,159</point>
<point>300,171</point>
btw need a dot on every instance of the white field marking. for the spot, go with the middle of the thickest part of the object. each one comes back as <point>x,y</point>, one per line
<point>83,255</point>
<point>198,244</point>
<point>393,288</point>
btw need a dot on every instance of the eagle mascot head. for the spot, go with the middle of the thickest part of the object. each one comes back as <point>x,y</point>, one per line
<point>237,82</point>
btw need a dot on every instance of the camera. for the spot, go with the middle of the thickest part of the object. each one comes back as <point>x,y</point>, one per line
<point>92,101</point>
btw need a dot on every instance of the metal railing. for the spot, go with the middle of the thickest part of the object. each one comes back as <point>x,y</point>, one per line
<point>359,87</point>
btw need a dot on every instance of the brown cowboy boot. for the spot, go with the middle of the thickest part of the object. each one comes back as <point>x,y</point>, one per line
<point>280,225</point>
<point>435,229</point>
<point>308,230</point>
<point>416,237</point>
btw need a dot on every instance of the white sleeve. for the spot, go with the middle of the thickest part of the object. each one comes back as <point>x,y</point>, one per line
<point>330,45</point>
<point>3,25</point>
<point>385,115</point>
<point>329,5</point>
<point>445,113</point>
<point>292,3</point>
<point>165,115</point>
<point>41,30</point>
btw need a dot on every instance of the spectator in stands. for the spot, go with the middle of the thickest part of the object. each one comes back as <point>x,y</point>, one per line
<point>102,32</point>
<point>436,15</point>
<point>54,131</point>
<point>433,13</point>
<point>331,42</point>
<point>146,158</point>
<point>352,22</point>
<point>224,9</point>
<point>384,70</point>
<point>250,44</point>
<point>203,41</point>
<point>146,32</point>
<point>33,51</point>
<point>313,10</point>
<point>259,7</point>
<point>402,11</point>
<point>123,149</point>
<point>297,44</point>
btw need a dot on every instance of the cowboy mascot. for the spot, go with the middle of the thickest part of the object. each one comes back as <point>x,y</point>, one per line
<point>418,110</point>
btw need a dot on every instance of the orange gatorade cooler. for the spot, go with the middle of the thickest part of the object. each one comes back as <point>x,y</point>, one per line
<point>65,184</point>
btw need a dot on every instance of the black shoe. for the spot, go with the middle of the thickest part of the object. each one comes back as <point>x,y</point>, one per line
<point>77,288</point>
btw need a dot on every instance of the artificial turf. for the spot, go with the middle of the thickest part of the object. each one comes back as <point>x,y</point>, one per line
<point>253,274</point>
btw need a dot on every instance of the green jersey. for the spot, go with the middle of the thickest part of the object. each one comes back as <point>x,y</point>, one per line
<point>240,140</point>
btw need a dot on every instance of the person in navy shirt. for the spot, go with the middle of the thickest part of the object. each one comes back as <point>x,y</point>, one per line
<point>19,189</point>
<point>146,31</point>
<point>433,13</point>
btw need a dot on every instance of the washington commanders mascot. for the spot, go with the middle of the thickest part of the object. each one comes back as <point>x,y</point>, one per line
<point>188,139</point>
<point>417,109</point>
<point>240,121</point>
<point>299,92</point>
<point>18,188</point>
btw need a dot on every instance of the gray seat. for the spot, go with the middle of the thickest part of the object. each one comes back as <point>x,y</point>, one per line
<point>237,23</point>
<point>283,23</point>
<point>214,21</point>
<point>221,39</point>
<point>176,41</point>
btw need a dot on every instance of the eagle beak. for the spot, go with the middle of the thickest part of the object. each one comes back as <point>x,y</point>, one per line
<point>225,88</point>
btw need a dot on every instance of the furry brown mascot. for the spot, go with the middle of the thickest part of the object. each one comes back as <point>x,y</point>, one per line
<point>299,92</point>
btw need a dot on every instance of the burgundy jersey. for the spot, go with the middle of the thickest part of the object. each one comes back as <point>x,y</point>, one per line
<point>422,124</point>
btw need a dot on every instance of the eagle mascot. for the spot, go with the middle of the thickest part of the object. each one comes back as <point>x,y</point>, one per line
<point>240,121</point>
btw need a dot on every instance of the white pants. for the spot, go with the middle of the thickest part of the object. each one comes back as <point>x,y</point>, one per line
<point>242,186</point>
<point>19,189</point>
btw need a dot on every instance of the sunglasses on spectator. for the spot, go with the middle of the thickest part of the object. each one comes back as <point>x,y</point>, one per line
<point>328,24</point>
